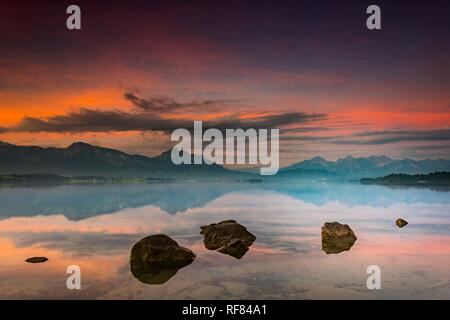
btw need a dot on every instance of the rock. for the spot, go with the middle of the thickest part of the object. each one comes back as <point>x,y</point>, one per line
<point>337,237</point>
<point>228,237</point>
<point>235,248</point>
<point>160,248</point>
<point>36,259</point>
<point>401,223</point>
<point>337,231</point>
<point>157,258</point>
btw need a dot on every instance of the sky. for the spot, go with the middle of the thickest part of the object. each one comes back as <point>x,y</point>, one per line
<point>137,70</point>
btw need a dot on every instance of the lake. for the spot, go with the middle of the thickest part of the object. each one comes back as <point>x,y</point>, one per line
<point>95,227</point>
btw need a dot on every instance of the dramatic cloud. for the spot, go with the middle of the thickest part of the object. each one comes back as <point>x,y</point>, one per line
<point>88,120</point>
<point>382,137</point>
<point>166,104</point>
<point>378,137</point>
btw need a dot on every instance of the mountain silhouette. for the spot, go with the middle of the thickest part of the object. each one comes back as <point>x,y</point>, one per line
<point>82,159</point>
<point>373,166</point>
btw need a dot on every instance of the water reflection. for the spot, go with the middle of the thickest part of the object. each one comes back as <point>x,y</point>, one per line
<point>77,202</point>
<point>336,246</point>
<point>286,261</point>
<point>156,272</point>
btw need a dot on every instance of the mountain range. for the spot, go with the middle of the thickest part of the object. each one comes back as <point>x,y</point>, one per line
<point>373,166</point>
<point>82,159</point>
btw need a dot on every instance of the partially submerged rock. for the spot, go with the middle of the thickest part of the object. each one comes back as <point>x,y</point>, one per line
<point>36,259</point>
<point>337,237</point>
<point>157,258</point>
<point>159,248</point>
<point>401,223</point>
<point>228,237</point>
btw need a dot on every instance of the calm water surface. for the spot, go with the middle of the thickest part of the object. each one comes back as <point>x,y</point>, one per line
<point>95,227</point>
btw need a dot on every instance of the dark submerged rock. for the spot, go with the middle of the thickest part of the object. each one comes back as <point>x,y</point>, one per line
<point>337,237</point>
<point>159,248</point>
<point>228,237</point>
<point>36,259</point>
<point>401,223</point>
<point>157,258</point>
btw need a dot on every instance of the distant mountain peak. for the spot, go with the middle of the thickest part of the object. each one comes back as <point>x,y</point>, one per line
<point>383,157</point>
<point>86,147</point>
<point>80,144</point>
<point>6,144</point>
<point>318,161</point>
<point>165,154</point>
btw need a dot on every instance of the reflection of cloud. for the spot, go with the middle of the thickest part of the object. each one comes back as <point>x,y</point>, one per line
<point>272,222</point>
<point>128,221</point>
<point>77,202</point>
<point>77,244</point>
<point>285,261</point>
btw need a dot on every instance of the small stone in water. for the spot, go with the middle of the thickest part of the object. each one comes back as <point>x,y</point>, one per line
<point>401,223</point>
<point>36,259</point>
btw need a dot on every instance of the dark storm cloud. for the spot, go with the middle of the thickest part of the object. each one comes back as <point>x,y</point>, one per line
<point>428,147</point>
<point>89,120</point>
<point>306,129</point>
<point>392,136</point>
<point>378,137</point>
<point>269,121</point>
<point>389,136</point>
<point>165,104</point>
<point>309,138</point>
